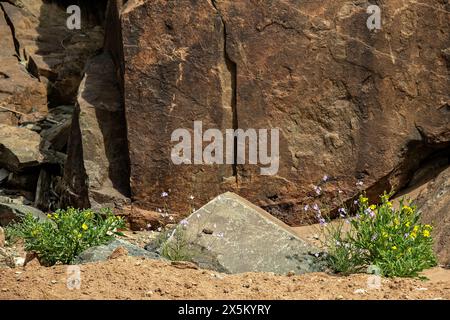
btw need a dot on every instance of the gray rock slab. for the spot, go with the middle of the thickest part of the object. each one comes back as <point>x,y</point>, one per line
<point>14,212</point>
<point>230,234</point>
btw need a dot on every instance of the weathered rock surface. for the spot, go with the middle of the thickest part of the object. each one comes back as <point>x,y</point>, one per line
<point>103,252</point>
<point>19,148</point>
<point>435,205</point>
<point>2,237</point>
<point>232,235</point>
<point>14,212</point>
<point>96,171</point>
<point>432,197</point>
<point>20,93</point>
<point>350,103</point>
<point>53,53</point>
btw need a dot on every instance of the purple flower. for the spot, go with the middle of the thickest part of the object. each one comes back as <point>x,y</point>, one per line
<point>342,212</point>
<point>357,216</point>
<point>325,178</point>
<point>306,208</point>
<point>322,222</point>
<point>355,202</point>
<point>369,212</point>
<point>184,222</point>
<point>406,235</point>
<point>374,237</point>
<point>316,207</point>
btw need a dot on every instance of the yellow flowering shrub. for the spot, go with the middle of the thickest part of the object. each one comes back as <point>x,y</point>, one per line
<point>391,238</point>
<point>66,233</point>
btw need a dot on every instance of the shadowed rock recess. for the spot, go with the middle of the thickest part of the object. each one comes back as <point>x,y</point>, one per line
<point>92,110</point>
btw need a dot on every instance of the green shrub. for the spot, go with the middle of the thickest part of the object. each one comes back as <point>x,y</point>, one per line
<point>174,246</point>
<point>66,234</point>
<point>392,239</point>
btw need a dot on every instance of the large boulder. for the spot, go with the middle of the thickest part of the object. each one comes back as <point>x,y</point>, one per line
<point>19,148</point>
<point>96,168</point>
<point>351,103</point>
<point>232,235</point>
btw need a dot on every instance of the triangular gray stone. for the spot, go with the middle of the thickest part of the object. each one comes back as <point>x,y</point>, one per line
<point>230,234</point>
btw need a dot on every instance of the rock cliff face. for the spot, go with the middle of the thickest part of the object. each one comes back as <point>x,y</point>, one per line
<point>353,104</point>
<point>94,111</point>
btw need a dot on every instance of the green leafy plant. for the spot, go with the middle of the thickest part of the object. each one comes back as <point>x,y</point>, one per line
<point>66,234</point>
<point>174,245</point>
<point>393,239</point>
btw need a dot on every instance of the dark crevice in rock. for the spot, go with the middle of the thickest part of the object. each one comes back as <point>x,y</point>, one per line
<point>232,69</point>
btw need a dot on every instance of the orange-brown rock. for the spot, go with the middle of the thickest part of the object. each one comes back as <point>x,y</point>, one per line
<point>351,103</point>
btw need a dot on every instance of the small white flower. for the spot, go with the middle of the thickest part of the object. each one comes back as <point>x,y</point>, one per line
<point>159,229</point>
<point>306,208</point>
<point>191,197</point>
<point>359,183</point>
<point>198,215</point>
<point>164,194</point>
<point>149,226</point>
<point>318,190</point>
<point>171,218</point>
<point>325,178</point>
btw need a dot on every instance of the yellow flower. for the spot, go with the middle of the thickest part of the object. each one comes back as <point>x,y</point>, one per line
<point>389,204</point>
<point>416,228</point>
<point>364,199</point>
<point>373,207</point>
<point>413,235</point>
<point>394,248</point>
<point>408,209</point>
<point>426,233</point>
<point>396,221</point>
<point>428,227</point>
<point>84,226</point>
<point>88,214</point>
<point>49,216</point>
<point>408,224</point>
<point>384,234</point>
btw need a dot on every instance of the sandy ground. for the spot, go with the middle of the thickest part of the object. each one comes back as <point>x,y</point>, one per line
<point>136,278</point>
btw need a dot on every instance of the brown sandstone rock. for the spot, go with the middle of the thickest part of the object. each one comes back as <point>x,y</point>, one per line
<point>2,237</point>
<point>140,219</point>
<point>351,103</point>
<point>52,52</point>
<point>96,168</point>
<point>20,93</point>
<point>19,148</point>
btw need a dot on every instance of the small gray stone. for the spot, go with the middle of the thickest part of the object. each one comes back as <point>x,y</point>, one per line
<point>102,252</point>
